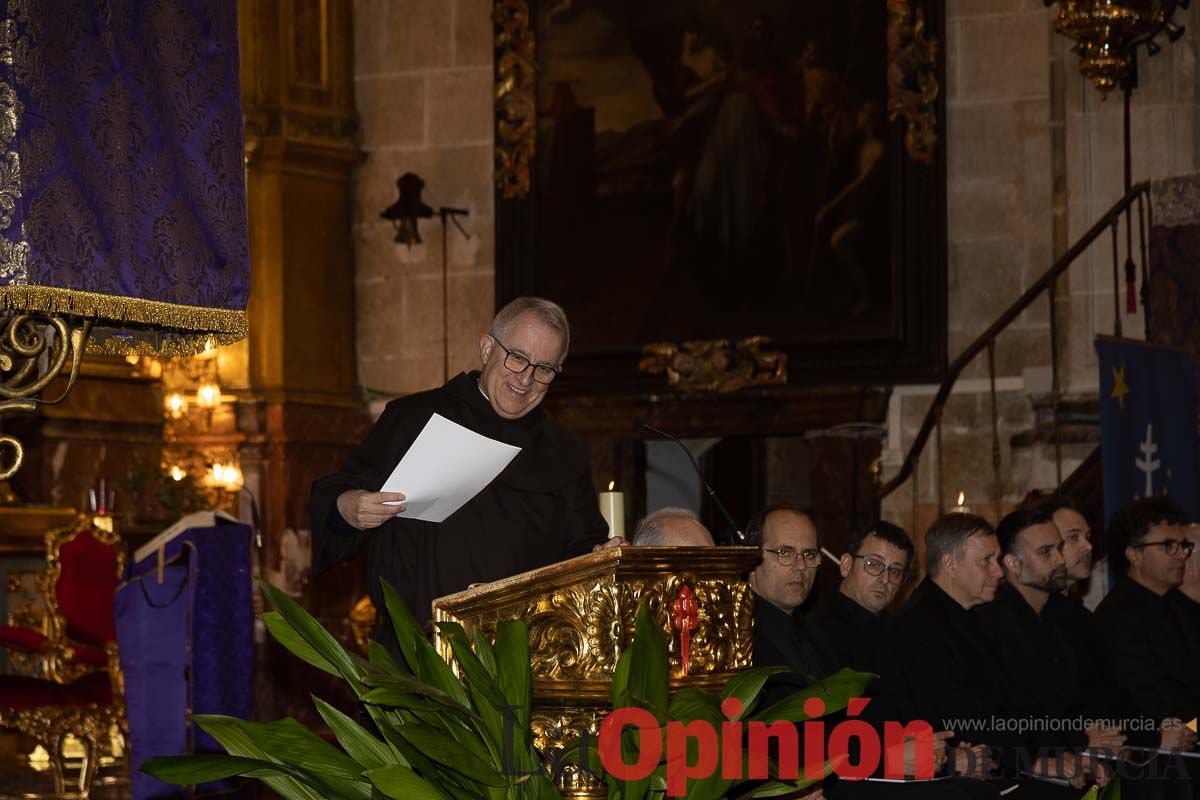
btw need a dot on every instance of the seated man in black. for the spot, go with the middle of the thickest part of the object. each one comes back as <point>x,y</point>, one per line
<point>951,673</point>
<point>1045,687</point>
<point>1152,658</point>
<point>849,628</point>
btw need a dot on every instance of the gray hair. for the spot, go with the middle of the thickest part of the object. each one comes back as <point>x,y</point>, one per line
<point>546,311</point>
<point>650,531</point>
<point>948,535</point>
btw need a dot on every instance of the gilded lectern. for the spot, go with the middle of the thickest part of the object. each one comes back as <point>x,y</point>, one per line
<point>581,615</point>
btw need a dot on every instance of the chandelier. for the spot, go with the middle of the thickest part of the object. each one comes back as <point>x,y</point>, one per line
<point>1107,32</point>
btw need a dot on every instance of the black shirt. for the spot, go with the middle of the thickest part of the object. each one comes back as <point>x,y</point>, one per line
<point>1189,611</point>
<point>949,671</point>
<point>778,643</point>
<point>844,634</point>
<point>1152,657</point>
<point>1098,686</point>
<point>541,509</point>
<point>1041,670</point>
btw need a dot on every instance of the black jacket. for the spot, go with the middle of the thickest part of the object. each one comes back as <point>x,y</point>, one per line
<point>541,509</point>
<point>1042,672</point>
<point>950,673</point>
<point>1151,654</point>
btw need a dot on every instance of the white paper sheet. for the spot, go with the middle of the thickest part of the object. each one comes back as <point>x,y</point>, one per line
<point>445,467</point>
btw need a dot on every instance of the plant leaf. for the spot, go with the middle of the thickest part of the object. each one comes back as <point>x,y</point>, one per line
<point>401,783</point>
<point>230,734</point>
<point>480,680</point>
<point>379,656</point>
<point>649,668</point>
<point>747,686</point>
<point>202,768</point>
<point>445,750</point>
<point>287,636</point>
<point>835,691</point>
<point>311,631</point>
<point>483,649</point>
<point>1112,790</point>
<point>688,705</point>
<point>365,749</point>
<point>422,659</point>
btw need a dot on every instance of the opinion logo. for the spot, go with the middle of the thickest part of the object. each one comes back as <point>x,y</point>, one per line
<point>744,749</point>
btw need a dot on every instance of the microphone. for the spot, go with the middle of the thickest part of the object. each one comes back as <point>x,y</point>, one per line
<point>641,424</point>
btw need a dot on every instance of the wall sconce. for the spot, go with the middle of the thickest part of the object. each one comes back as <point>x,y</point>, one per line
<point>404,214</point>
<point>176,405</point>
<point>208,395</point>
<point>226,476</point>
<point>409,208</point>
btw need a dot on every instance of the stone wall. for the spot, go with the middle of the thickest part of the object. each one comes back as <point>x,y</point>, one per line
<point>423,85</point>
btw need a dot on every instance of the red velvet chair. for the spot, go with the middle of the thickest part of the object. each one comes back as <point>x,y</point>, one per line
<point>81,693</point>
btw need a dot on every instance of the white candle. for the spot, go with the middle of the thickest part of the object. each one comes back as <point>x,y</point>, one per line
<point>612,507</point>
<point>960,508</point>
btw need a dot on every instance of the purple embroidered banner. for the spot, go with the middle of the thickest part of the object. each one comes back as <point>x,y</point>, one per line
<point>122,185</point>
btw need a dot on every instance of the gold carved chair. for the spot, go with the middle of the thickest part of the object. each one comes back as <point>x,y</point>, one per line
<point>81,692</point>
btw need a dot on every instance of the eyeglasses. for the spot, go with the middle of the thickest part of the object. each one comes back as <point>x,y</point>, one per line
<point>874,567</point>
<point>787,556</point>
<point>1170,546</point>
<point>515,362</point>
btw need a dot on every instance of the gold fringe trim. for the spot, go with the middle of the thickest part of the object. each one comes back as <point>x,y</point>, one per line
<point>132,324</point>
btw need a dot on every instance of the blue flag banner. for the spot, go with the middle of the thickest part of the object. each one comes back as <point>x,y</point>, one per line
<point>1147,423</point>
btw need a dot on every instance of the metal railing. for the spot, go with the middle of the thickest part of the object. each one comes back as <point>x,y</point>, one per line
<point>1139,195</point>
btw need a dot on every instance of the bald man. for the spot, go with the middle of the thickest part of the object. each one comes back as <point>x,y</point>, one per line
<point>672,527</point>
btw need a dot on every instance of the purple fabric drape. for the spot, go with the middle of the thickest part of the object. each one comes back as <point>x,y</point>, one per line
<point>122,185</point>
<point>154,640</point>
<point>216,650</point>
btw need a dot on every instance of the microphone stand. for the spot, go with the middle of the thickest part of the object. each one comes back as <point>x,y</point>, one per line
<point>641,424</point>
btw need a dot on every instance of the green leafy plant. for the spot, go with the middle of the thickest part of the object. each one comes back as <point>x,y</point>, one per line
<point>438,738</point>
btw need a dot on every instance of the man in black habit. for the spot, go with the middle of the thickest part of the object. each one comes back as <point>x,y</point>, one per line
<point>950,670</point>
<point>542,508</point>
<point>1097,687</point>
<point>1152,656</point>
<point>1045,685</point>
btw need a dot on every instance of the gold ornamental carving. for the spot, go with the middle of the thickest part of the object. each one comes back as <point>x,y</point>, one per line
<point>559,730</point>
<point>581,615</point>
<point>912,78</point>
<point>716,365</point>
<point>34,350</point>
<point>516,97</point>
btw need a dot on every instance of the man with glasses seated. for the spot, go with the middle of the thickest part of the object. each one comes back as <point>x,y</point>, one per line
<point>781,583</point>
<point>850,625</point>
<point>1151,656</point>
<point>542,508</point>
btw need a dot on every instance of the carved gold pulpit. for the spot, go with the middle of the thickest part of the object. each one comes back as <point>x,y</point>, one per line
<point>581,616</point>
